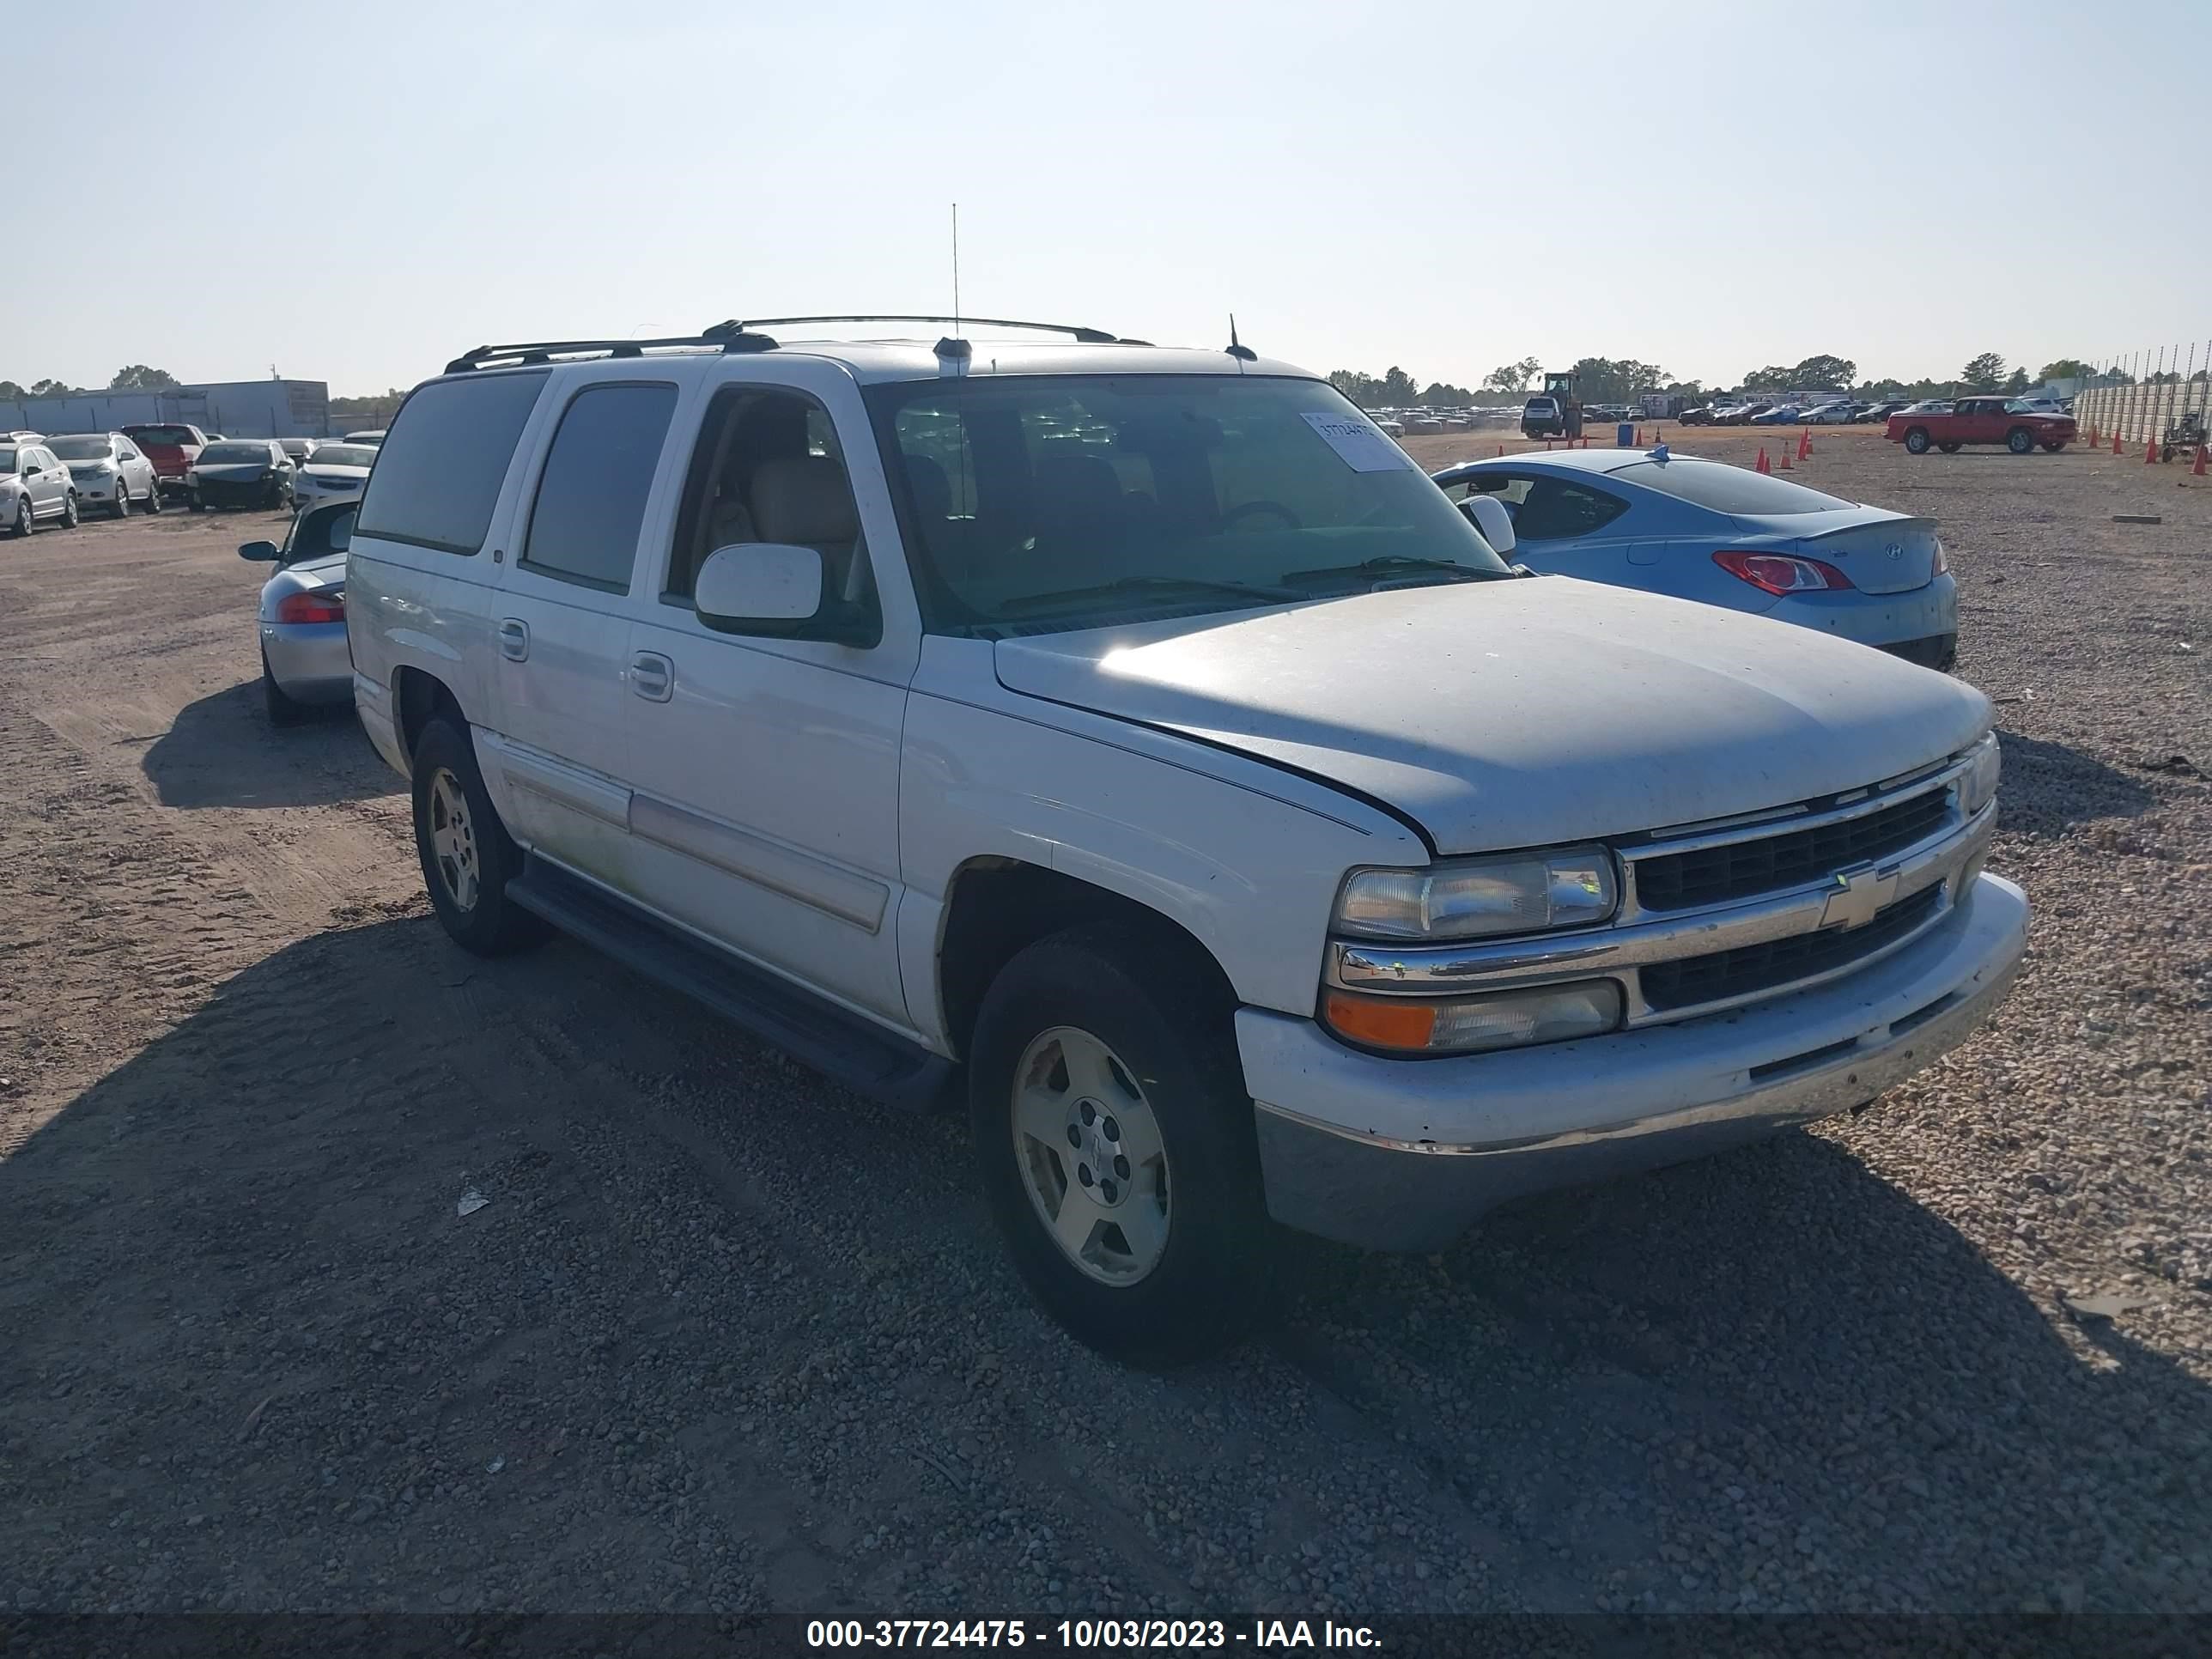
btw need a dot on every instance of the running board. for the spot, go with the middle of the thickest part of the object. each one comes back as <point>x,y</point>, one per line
<point>854,1052</point>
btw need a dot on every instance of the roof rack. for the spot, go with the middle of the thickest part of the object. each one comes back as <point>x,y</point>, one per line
<point>1082,336</point>
<point>533,353</point>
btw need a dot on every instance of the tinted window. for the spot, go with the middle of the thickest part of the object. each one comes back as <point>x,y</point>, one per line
<point>1546,509</point>
<point>82,449</point>
<point>438,476</point>
<point>163,434</point>
<point>239,454</point>
<point>1727,489</point>
<point>591,497</point>
<point>343,455</point>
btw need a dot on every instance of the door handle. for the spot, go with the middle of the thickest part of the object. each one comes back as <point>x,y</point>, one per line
<point>652,676</point>
<point>515,639</point>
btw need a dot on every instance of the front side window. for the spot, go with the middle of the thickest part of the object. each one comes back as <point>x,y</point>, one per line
<point>439,472</point>
<point>1040,504</point>
<point>1548,509</point>
<point>599,473</point>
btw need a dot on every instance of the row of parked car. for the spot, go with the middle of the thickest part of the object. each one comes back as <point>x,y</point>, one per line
<point>140,468</point>
<point>1845,411</point>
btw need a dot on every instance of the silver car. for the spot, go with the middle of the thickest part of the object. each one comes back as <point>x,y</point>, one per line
<point>34,485</point>
<point>304,659</point>
<point>109,472</point>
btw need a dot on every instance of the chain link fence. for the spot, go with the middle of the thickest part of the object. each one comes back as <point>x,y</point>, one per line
<point>2156,396</point>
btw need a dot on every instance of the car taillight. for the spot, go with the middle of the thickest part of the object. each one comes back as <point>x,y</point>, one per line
<point>1942,564</point>
<point>311,608</point>
<point>1781,572</point>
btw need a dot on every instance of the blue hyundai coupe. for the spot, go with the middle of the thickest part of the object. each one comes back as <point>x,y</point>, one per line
<point>1727,535</point>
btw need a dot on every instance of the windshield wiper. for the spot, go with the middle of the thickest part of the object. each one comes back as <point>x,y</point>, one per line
<point>1156,584</point>
<point>1390,564</point>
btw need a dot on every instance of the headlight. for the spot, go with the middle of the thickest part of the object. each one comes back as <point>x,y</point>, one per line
<point>1978,784</point>
<point>1466,1025</point>
<point>101,469</point>
<point>1525,894</point>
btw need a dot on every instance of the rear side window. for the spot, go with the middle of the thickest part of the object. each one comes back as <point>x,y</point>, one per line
<point>437,478</point>
<point>591,498</point>
<point>1726,488</point>
<point>163,434</point>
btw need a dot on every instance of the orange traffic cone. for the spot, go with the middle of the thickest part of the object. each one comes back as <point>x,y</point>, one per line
<point>1805,445</point>
<point>2116,443</point>
<point>1547,447</point>
<point>1639,437</point>
<point>1585,440</point>
<point>2197,470</point>
<point>1501,449</point>
<point>2092,437</point>
<point>2150,452</point>
<point>1782,458</point>
<point>1762,465</point>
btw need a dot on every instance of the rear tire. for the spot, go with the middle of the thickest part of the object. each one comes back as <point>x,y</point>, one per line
<point>1078,1032</point>
<point>467,856</point>
<point>154,497</point>
<point>2020,440</point>
<point>69,511</point>
<point>1950,449</point>
<point>2053,448</point>
<point>1916,440</point>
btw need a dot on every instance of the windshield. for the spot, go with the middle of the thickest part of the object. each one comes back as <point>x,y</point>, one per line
<point>163,435</point>
<point>7,458</point>
<point>1040,504</point>
<point>79,449</point>
<point>343,455</point>
<point>234,454</point>
<point>1726,488</point>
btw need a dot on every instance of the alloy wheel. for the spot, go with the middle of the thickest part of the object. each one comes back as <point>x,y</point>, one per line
<point>1090,1156</point>
<point>452,839</point>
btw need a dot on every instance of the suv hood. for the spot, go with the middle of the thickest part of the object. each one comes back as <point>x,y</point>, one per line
<point>1520,714</point>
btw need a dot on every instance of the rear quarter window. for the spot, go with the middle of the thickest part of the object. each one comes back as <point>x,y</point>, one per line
<point>438,476</point>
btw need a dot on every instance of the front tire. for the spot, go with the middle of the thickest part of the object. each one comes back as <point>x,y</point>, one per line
<point>1114,1139</point>
<point>24,522</point>
<point>1916,440</point>
<point>467,856</point>
<point>2020,440</point>
<point>120,506</point>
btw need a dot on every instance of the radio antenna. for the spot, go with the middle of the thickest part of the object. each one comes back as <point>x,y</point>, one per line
<point>956,270</point>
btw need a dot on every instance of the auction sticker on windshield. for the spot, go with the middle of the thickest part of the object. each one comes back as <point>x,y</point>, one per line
<point>1360,444</point>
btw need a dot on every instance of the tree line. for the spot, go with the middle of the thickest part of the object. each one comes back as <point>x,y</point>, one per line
<point>1608,380</point>
<point>140,377</point>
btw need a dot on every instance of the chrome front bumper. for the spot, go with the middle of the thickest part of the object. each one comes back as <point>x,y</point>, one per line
<point>1403,1154</point>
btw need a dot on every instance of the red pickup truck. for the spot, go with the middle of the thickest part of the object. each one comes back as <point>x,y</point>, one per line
<point>1981,421</point>
<point>172,447</point>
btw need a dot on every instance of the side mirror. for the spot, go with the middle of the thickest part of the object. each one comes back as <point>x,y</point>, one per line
<point>1488,514</point>
<point>261,552</point>
<point>749,583</point>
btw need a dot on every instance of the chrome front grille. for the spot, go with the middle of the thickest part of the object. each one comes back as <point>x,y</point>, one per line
<point>1751,970</point>
<point>1769,864</point>
<point>1718,915</point>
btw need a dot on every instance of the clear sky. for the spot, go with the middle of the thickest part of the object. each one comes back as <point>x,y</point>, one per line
<point>354,192</point>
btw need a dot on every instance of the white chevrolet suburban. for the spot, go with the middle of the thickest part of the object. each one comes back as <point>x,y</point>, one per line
<point>1136,739</point>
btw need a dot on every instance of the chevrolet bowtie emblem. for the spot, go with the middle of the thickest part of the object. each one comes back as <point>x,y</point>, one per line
<point>1857,895</point>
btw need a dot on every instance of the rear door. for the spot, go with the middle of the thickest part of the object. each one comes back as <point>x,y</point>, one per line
<point>563,614</point>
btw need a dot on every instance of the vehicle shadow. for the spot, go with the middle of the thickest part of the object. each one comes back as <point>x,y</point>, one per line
<point>243,1305</point>
<point>2047,786</point>
<point>222,752</point>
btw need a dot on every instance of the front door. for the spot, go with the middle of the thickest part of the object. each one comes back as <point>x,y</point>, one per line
<point>766,770</point>
<point>561,624</point>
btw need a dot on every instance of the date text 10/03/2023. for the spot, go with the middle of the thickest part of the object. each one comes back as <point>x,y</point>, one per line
<point>1086,1635</point>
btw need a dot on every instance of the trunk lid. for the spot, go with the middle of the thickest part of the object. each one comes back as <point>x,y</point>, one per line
<point>1882,551</point>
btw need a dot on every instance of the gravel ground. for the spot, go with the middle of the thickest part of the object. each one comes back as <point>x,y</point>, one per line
<point>722,1338</point>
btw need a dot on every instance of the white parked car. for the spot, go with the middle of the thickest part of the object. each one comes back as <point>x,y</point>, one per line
<point>370,438</point>
<point>1837,413</point>
<point>1196,787</point>
<point>109,472</point>
<point>34,485</point>
<point>336,471</point>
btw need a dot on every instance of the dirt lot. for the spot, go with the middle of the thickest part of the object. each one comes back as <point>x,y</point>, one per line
<point>723,1338</point>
